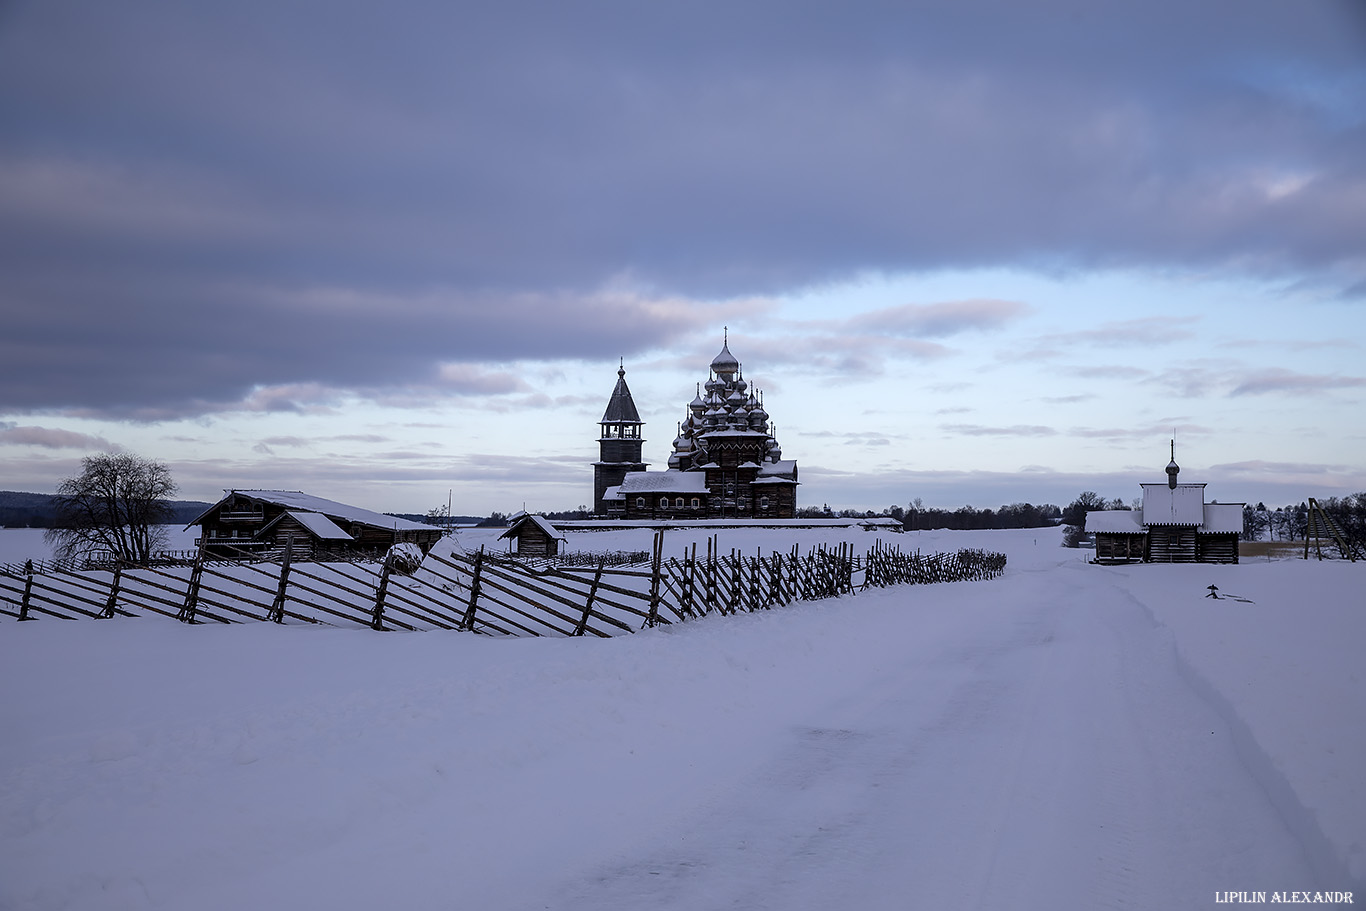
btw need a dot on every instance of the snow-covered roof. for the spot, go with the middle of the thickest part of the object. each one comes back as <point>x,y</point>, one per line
<point>540,522</point>
<point>1183,504</point>
<point>317,524</point>
<point>613,493</point>
<point>781,470</point>
<point>1223,518</point>
<point>1115,521</point>
<point>664,482</point>
<point>298,500</point>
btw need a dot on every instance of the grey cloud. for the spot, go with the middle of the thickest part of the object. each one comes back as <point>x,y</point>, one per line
<point>1197,381</point>
<point>224,198</point>
<point>12,434</point>
<point>1145,332</point>
<point>1109,372</point>
<point>1016,430</point>
<point>938,320</point>
<point>1150,431</point>
<point>1274,379</point>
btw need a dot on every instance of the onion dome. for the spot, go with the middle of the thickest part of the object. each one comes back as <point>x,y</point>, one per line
<point>697,405</point>
<point>1172,468</point>
<point>725,364</point>
<point>737,399</point>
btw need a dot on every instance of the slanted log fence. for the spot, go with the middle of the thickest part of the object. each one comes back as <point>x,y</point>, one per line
<point>484,593</point>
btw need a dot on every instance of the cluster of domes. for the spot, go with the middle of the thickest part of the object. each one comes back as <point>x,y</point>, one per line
<point>724,405</point>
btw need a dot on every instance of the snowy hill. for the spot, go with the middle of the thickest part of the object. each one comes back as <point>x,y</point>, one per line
<point>1067,736</point>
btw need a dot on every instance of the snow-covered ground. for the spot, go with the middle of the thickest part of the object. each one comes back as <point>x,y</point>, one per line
<point>1067,736</point>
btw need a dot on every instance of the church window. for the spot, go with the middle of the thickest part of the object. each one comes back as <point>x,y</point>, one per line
<point>640,502</point>
<point>696,502</point>
<point>763,502</point>
<point>678,502</point>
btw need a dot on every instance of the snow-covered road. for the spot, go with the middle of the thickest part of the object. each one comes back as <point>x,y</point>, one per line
<point>1053,759</point>
<point>1035,742</point>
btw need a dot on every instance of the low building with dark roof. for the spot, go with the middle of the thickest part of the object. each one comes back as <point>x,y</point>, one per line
<point>254,524</point>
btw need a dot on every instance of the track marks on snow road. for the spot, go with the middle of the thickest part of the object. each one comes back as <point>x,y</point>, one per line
<point>1048,757</point>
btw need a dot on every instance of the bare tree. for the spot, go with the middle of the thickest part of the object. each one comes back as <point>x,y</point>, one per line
<point>117,504</point>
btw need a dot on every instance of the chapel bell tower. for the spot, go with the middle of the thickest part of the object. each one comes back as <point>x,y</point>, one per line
<point>619,444</point>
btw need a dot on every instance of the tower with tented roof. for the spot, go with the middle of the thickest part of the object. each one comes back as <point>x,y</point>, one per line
<point>619,442</point>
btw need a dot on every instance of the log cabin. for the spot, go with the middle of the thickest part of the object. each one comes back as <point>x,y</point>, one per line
<point>259,524</point>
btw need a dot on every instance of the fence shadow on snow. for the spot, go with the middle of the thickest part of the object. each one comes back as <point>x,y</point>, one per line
<point>483,593</point>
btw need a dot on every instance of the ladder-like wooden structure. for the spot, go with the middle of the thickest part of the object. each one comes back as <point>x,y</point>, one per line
<point>1321,526</point>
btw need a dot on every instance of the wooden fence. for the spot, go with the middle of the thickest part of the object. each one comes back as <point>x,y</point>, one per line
<point>483,593</point>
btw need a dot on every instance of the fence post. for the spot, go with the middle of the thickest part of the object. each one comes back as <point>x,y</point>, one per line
<point>689,582</point>
<point>656,558</point>
<point>28,590</point>
<point>592,593</point>
<point>377,618</point>
<point>187,612</point>
<point>277,608</point>
<point>112,601</point>
<point>468,622</point>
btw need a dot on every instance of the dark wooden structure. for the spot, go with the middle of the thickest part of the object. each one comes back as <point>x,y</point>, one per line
<point>256,524</point>
<point>1174,525</point>
<point>533,536</point>
<point>726,462</point>
<point>619,444</point>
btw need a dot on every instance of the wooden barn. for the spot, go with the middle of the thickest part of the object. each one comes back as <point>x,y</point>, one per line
<point>252,524</point>
<point>533,536</point>
<point>1174,525</point>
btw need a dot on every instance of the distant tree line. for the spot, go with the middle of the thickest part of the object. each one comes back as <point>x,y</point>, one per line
<point>918,517</point>
<point>43,510</point>
<point>1288,523</point>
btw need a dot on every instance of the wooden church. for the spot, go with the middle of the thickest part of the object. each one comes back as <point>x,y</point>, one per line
<point>726,462</point>
<point>1174,525</point>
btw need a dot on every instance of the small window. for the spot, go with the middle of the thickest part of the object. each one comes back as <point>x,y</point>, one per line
<point>664,502</point>
<point>696,502</point>
<point>678,502</point>
<point>763,502</point>
<point>640,501</point>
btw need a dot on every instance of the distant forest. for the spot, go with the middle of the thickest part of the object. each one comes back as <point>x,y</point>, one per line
<point>39,510</point>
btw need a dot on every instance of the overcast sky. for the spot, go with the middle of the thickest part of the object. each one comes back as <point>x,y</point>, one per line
<point>974,252</point>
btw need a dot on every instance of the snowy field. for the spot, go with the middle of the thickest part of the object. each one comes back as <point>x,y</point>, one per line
<point>1065,737</point>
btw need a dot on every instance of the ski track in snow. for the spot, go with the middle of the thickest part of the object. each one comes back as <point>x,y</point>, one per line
<point>1035,742</point>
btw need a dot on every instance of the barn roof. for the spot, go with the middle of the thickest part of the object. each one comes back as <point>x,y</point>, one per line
<point>317,524</point>
<point>539,521</point>
<point>300,501</point>
<point>1223,518</point>
<point>1183,504</point>
<point>664,482</point>
<point>1115,521</point>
